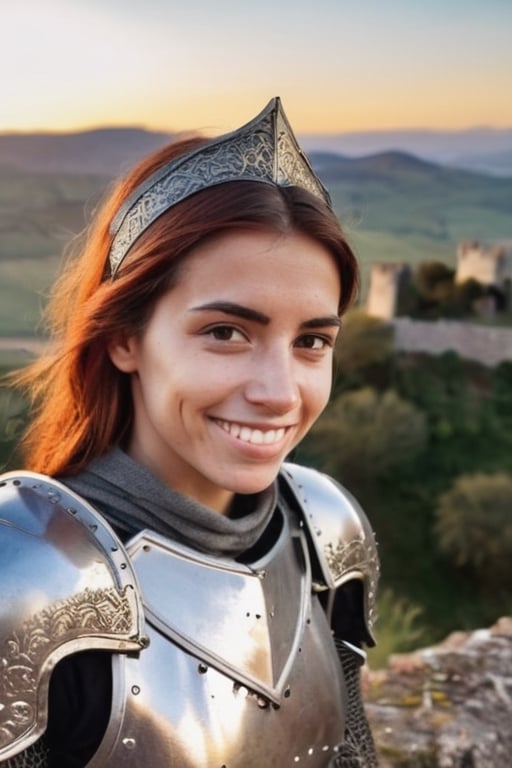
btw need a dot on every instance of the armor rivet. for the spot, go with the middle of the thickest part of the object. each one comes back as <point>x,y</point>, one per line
<point>325,748</point>
<point>135,690</point>
<point>287,693</point>
<point>53,497</point>
<point>71,511</point>
<point>93,527</point>
<point>296,759</point>
<point>262,703</point>
<point>310,751</point>
<point>258,615</point>
<point>146,548</point>
<point>16,482</point>
<point>275,706</point>
<point>202,669</point>
<point>129,743</point>
<point>123,566</point>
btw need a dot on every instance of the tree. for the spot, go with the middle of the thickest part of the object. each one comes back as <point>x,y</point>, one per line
<point>363,341</point>
<point>474,526</point>
<point>366,434</point>
<point>435,281</point>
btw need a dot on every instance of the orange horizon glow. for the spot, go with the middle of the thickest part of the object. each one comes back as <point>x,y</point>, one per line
<point>212,118</point>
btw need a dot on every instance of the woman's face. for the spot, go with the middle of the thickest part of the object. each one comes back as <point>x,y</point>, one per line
<point>234,364</point>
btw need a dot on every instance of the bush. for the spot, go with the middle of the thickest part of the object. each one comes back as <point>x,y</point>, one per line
<point>363,341</point>
<point>366,434</point>
<point>397,629</point>
<point>474,526</point>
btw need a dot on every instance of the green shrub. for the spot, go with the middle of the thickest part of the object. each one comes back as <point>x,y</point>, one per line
<point>474,526</point>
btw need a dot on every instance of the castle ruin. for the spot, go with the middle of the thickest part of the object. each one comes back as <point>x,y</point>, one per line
<point>490,265</point>
<point>386,279</point>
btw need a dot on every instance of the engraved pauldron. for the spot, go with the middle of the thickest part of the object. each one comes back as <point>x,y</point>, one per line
<point>66,586</point>
<point>340,535</point>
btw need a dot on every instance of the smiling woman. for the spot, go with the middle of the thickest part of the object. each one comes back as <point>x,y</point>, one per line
<point>198,595</point>
<point>226,368</point>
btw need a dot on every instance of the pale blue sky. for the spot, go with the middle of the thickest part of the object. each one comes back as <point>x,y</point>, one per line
<point>338,65</point>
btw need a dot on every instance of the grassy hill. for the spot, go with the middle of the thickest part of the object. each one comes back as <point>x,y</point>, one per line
<point>39,215</point>
<point>394,207</point>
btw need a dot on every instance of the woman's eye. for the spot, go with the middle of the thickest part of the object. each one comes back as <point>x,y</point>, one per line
<point>225,333</point>
<point>316,343</point>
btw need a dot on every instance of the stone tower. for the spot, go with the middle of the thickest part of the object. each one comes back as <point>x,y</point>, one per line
<point>385,282</point>
<point>491,265</point>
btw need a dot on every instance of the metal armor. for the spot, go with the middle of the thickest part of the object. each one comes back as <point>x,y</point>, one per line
<point>66,585</point>
<point>240,667</point>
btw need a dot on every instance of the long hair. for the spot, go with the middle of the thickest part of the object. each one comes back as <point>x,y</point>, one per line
<point>81,402</point>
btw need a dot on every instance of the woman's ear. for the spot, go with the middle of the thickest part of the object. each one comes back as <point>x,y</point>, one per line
<point>122,351</point>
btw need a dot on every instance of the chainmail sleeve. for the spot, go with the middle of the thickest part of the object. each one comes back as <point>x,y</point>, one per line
<point>358,749</point>
<point>35,756</point>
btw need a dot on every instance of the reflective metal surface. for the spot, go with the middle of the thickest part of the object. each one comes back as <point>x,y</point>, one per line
<point>340,533</point>
<point>66,585</point>
<point>241,670</point>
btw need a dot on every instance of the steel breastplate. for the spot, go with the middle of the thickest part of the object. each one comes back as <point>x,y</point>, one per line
<point>241,670</point>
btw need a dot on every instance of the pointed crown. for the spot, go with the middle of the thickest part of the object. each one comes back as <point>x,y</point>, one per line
<point>265,150</point>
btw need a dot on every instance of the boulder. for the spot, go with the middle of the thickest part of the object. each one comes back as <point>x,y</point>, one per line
<point>447,706</point>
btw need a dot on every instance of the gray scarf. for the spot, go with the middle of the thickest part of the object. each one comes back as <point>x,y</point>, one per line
<point>131,498</point>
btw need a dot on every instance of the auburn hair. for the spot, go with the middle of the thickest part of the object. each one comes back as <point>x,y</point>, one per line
<point>81,402</point>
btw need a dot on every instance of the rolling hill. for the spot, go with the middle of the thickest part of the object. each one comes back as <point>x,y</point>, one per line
<point>393,205</point>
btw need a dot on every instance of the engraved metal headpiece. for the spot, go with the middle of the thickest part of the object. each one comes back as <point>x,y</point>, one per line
<point>265,149</point>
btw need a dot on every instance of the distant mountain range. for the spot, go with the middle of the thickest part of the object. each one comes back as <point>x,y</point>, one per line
<point>109,151</point>
<point>484,150</point>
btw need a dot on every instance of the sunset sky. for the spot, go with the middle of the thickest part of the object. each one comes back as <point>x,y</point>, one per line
<point>212,64</point>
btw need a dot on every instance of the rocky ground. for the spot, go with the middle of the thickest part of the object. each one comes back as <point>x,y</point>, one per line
<point>448,706</point>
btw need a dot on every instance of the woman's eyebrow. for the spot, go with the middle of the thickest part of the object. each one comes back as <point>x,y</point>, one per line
<point>322,322</point>
<point>232,308</point>
<point>239,310</point>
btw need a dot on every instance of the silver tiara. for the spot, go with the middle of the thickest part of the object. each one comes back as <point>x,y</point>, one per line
<point>265,149</point>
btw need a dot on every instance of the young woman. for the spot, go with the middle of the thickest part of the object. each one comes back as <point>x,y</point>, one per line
<point>174,593</point>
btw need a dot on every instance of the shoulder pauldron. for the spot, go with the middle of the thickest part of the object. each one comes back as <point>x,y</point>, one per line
<point>67,585</point>
<point>341,539</point>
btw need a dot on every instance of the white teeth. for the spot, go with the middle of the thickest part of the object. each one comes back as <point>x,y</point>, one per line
<point>253,436</point>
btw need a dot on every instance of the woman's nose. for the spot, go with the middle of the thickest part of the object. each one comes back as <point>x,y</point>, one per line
<point>273,381</point>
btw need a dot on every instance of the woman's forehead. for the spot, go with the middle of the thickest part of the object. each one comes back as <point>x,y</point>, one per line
<point>263,267</point>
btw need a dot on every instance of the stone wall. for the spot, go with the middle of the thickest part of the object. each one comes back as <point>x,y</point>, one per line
<point>489,345</point>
